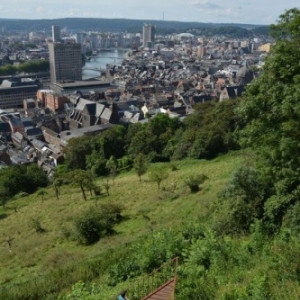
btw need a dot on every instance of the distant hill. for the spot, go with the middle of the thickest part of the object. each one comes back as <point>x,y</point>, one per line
<point>115,25</point>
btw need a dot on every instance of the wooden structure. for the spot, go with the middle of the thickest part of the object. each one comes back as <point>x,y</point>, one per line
<point>158,285</point>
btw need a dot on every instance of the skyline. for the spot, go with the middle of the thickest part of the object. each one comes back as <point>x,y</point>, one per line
<point>249,12</point>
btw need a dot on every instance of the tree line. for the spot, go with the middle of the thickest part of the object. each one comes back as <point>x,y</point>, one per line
<point>33,66</point>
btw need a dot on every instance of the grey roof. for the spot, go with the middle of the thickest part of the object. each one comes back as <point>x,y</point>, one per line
<point>34,131</point>
<point>99,109</point>
<point>4,127</point>
<point>106,114</point>
<point>68,134</point>
<point>37,144</point>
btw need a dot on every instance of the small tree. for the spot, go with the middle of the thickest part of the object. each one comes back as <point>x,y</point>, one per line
<point>158,175</point>
<point>112,167</point>
<point>140,165</point>
<point>83,179</point>
<point>194,181</point>
<point>4,196</point>
<point>42,192</point>
<point>57,182</point>
<point>107,187</point>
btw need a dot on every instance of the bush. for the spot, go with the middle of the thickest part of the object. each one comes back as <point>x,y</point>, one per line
<point>194,181</point>
<point>241,202</point>
<point>97,190</point>
<point>94,224</point>
<point>88,228</point>
<point>173,166</point>
<point>36,224</point>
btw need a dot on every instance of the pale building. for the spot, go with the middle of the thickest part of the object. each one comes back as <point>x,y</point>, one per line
<point>148,34</point>
<point>56,37</point>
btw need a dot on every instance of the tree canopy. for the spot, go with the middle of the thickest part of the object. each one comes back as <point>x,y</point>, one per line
<point>271,110</point>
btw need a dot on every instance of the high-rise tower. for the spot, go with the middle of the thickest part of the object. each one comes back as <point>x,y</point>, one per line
<point>148,34</point>
<point>56,34</point>
<point>65,60</point>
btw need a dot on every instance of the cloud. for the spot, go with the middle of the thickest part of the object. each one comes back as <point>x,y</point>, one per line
<point>205,4</point>
<point>214,10</point>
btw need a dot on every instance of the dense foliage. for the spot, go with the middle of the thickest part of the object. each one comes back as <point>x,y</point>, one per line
<point>271,110</point>
<point>16,179</point>
<point>95,223</point>
<point>33,66</point>
<point>205,134</point>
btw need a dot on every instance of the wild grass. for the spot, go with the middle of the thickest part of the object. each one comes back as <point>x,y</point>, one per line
<point>49,262</point>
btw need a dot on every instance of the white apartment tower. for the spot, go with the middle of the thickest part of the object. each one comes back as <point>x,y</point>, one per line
<point>56,34</point>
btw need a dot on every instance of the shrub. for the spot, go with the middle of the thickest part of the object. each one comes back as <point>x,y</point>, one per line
<point>88,228</point>
<point>173,166</point>
<point>96,223</point>
<point>241,202</point>
<point>36,224</point>
<point>194,181</point>
<point>97,190</point>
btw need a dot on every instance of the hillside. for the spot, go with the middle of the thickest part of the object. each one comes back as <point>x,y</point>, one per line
<point>115,25</point>
<point>34,254</point>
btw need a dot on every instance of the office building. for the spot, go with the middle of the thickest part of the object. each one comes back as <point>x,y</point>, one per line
<point>65,61</point>
<point>14,91</point>
<point>148,35</point>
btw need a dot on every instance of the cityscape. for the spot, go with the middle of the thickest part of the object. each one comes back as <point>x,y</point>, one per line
<point>158,74</point>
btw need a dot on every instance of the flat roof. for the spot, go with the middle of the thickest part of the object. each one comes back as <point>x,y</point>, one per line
<point>68,134</point>
<point>72,84</point>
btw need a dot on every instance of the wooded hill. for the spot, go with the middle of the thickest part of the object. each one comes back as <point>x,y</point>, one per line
<point>122,25</point>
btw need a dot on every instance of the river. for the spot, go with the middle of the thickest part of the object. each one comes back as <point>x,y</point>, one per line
<point>101,59</point>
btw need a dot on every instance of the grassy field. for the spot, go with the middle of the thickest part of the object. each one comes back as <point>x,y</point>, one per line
<point>146,208</point>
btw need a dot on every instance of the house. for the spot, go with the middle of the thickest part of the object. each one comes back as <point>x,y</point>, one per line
<point>19,140</point>
<point>88,113</point>
<point>34,133</point>
<point>5,130</point>
<point>231,92</point>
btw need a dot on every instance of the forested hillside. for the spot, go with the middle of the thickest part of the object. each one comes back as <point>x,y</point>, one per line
<point>220,190</point>
<point>135,26</point>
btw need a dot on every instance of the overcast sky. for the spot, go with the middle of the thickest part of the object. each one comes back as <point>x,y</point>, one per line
<point>215,11</point>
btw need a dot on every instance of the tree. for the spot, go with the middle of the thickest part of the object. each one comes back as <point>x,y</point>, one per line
<point>35,177</point>
<point>140,165</point>
<point>76,152</point>
<point>83,179</point>
<point>4,196</point>
<point>42,192</point>
<point>151,138</point>
<point>112,167</point>
<point>16,179</point>
<point>158,175</point>
<point>208,132</point>
<point>271,110</point>
<point>57,182</point>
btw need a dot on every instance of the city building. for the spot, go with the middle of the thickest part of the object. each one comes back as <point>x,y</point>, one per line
<point>15,90</point>
<point>56,34</point>
<point>85,87</point>
<point>65,61</point>
<point>148,35</point>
